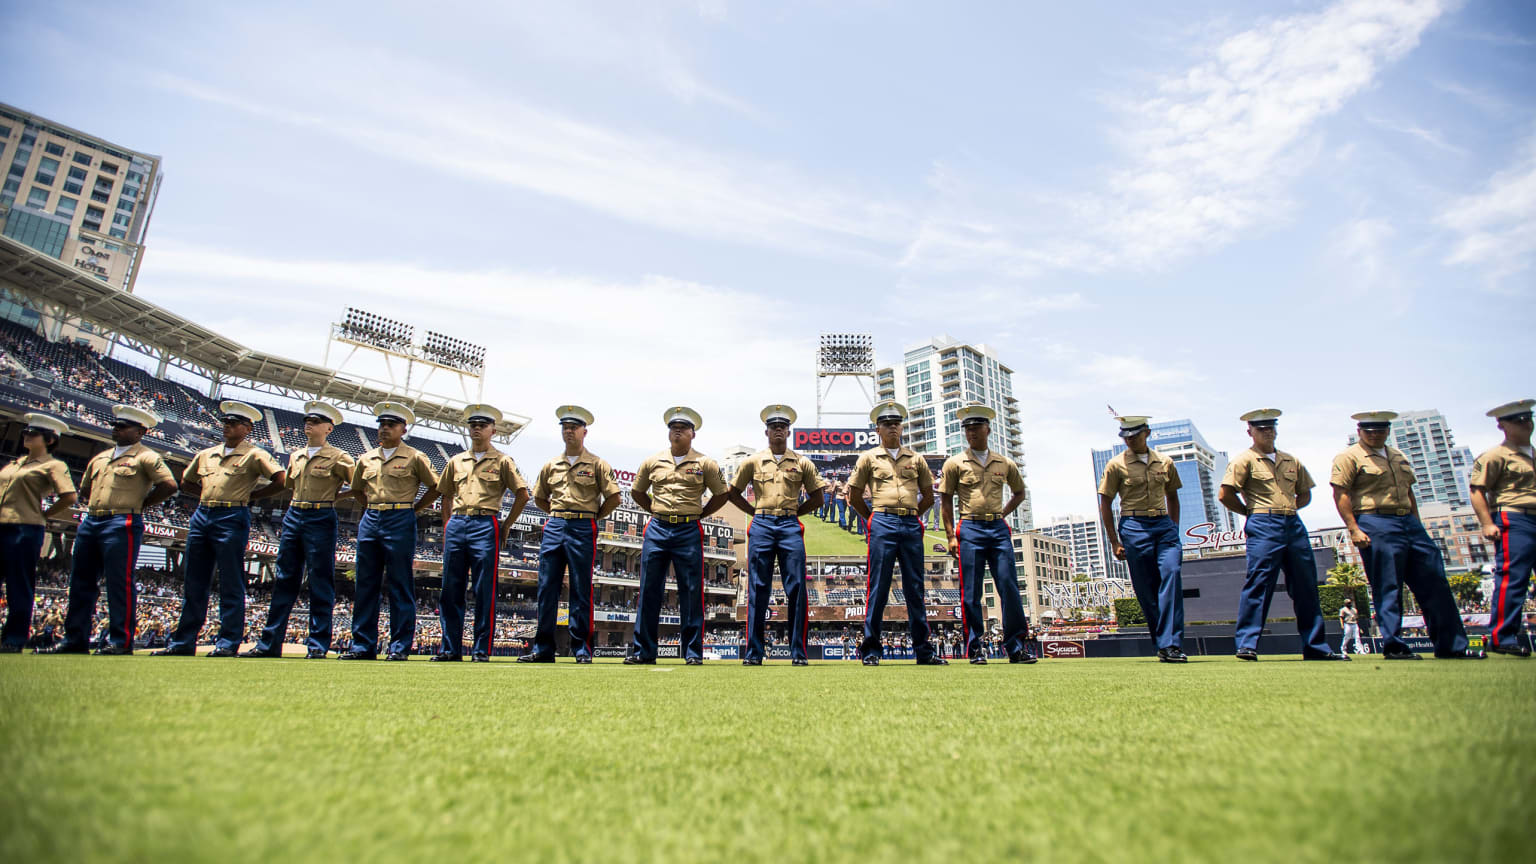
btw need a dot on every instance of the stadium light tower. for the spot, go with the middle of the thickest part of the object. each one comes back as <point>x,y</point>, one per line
<point>844,355</point>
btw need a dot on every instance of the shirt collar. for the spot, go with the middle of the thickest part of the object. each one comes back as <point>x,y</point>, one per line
<point>901,452</point>
<point>133,450</point>
<point>971,455</point>
<point>767,453</point>
<point>401,449</point>
<point>237,450</point>
<point>691,456</point>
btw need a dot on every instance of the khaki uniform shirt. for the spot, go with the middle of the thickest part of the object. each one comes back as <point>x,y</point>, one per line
<point>979,488</point>
<point>232,477</point>
<point>316,479</point>
<point>892,482</point>
<point>1267,484</point>
<point>1140,485</point>
<point>679,484</point>
<point>393,481</point>
<point>1507,475</point>
<point>777,483</point>
<point>123,483</point>
<point>479,483</point>
<point>579,486</point>
<point>1374,482</point>
<point>25,482</point>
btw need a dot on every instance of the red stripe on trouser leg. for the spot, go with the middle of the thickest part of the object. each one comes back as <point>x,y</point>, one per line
<point>131,613</point>
<point>1498,620</point>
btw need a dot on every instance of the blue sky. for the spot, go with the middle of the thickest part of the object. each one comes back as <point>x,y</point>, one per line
<point>1190,210</point>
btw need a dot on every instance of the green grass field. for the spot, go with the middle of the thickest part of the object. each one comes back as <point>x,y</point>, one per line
<point>822,538</point>
<point>141,759</point>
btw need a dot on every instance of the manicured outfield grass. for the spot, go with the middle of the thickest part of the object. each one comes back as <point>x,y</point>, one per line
<point>825,538</point>
<point>168,759</point>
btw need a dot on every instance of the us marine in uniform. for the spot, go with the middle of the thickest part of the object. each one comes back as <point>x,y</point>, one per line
<point>901,486</point>
<point>385,481</point>
<point>778,476</point>
<point>1268,487</point>
<point>674,535</point>
<point>1504,498</point>
<point>1373,493</point>
<point>980,539</point>
<point>24,484</point>
<point>1146,536</point>
<point>317,473</point>
<point>472,487</point>
<point>576,489</point>
<point>117,485</point>
<point>220,528</point>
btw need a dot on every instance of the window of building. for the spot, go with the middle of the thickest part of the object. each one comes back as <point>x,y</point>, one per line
<point>108,168</point>
<point>77,173</point>
<point>5,131</point>
<point>53,148</point>
<point>73,187</point>
<point>47,171</point>
<point>37,198</point>
<point>94,213</point>
<point>119,233</point>
<point>82,157</point>
<point>121,219</point>
<point>66,206</point>
<point>28,135</point>
<point>11,187</point>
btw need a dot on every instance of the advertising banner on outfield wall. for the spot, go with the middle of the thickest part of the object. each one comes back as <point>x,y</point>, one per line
<point>893,612</point>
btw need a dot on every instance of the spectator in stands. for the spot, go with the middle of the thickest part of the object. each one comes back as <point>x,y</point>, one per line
<point>25,484</point>
<point>118,485</point>
<point>226,477</point>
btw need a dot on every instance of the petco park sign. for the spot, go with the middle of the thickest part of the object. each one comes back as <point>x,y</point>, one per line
<point>834,440</point>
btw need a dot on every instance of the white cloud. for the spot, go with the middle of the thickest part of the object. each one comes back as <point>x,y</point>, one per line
<point>1497,226</point>
<point>1209,153</point>
<point>1428,136</point>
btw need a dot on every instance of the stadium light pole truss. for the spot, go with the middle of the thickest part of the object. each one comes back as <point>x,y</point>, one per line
<point>844,355</point>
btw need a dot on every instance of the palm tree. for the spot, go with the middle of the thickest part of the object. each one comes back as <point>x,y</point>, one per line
<point>1347,576</point>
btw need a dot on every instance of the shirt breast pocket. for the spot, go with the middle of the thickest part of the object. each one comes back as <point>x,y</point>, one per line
<point>318,467</point>
<point>124,471</point>
<point>371,471</point>
<point>883,472</point>
<point>1373,470</point>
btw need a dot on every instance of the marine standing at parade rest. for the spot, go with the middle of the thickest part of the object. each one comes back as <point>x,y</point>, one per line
<point>1268,487</point>
<point>674,535</point>
<point>778,476</point>
<point>385,482</point>
<point>1146,537</point>
<point>1373,492</point>
<point>1504,498</point>
<point>24,484</point>
<point>901,486</point>
<point>472,487</point>
<point>576,489</point>
<point>220,528</point>
<point>117,485</point>
<point>316,474</point>
<point>980,539</point>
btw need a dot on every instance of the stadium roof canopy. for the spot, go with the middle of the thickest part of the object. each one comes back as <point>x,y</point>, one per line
<point>178,341</point>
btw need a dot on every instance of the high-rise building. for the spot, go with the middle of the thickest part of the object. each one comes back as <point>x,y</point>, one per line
<point>1200,470</point>
<point>1041,560</point>
<point>1090,552</point>
<point>1439,466</point>
<point>934,379</point>
<point>76,197</point>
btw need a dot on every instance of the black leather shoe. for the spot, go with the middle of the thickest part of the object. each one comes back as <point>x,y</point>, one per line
<point>169,652</point>
<point>445,658</point>
<point>800,662</point>
<point>1250,656</point>
<point>480,657</point>
<point>316,654</point>
<point>1466,654</point>
<point>939,661</point>
<point>536,658</point>
<point>637,660</point>
<point>1399,653</point>
<point>114,651</point>
<point>1023,657</point>
<point>273,654</point>
<point>1172,655</point>
<point>978,660</point>
<point>583,659</point>
<point>62,648</point>
<point>871,661</point>
<point>751,662</point>
<point>1510,650</point>
<point>396,656</point>
<point>1333,656</point>
<point>356,654</point>
<point>222,652</point>
<point>693,661</point>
